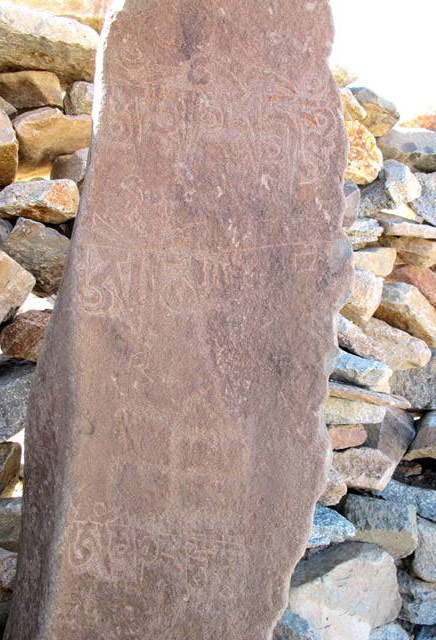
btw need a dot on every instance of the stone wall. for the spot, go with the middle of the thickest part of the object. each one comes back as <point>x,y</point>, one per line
<point>370,567</point>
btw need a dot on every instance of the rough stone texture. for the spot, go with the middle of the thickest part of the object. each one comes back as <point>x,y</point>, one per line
<point>391,526</point>
<point>8,150</point>
<point>419,599</point>
<point>46,133</point>
<point>90,12</point>
<point>79,98</point>
<point>10,460</point>
<point>414,147</point>
<point>424,560</point>
<point>364,232</point>
<point>365,159</point>
<point>360,371</point>
<point>379,260</point>
<point>342,75</point>
<point>352,201</point>
<point>31,89</point>
<point>34,40</point>
<point>423,121</point>
<point>352,338</point>
<point>425,206</point>
<point>365,298</point>
<point>421,278</point>
<point>10,523</point>
<point>294,627</point>
<point>346,590</point>
<point>427,633</point>
<point>423,499</point>
<point>40,250</point>
<point>71,166</point>
<point>344,436</point>
<point>203,318</point>
<point>23,337</point>
<point>402,351</point>
<point>334,490</point>
<point>352,392</point>
<point>391,631</point>
<point>329,527</point>
<point>342,411</point>
<point>392,436</point>
<point>417,385</point>
<point>50,201</point>
<point>403,306</point>
<point>8,108</point>
<point>400,183</point>
<point>420,252</point>
<point>399,227</point>
<point>15,381</point>
<point>5,230</point>
<point>15,284</point>
<point>382,115</point>
<point>8,570</point>
<point>424,444</point>
<point>351,108</point>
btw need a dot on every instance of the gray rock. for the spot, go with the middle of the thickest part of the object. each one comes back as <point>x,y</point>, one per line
<point>391,631</point>
<point>392,436</point>
<point>424,560</point>
<point>328,527</point>
<point>293,627</point>
<point>424,500</point>
<point>414,147</point>
<point>341,411</point>
<point>417,385</point>
<point>424,444</point>
<point>72,166</point>
<point>352,201</point>
<point>427,633</point>
<point>374,198</point>
<point>382,114</point>
<point>360,371</point>
<point>78,99</point>
<point>363,232</point>
<point>400,183</point>
<point>391,526</point>
<point>425,205</point>
<point>419,599</point>
<point>5,229</point>
<point>10,523</point>
<point>15,381</point>
<point>41,250</point>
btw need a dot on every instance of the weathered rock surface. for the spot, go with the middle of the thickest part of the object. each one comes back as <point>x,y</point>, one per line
<point>392,436</point>
<point>8,570</point>
<point>403,306</point>
<point>391,631</point>
<point>423,499</point>
<point>46,133</point>
<point>71,166</point>
<point>365,159</point>
<point>402,351</point>
<point>35,40</point>
<point>427,633</point>
<point>352,392</point>
<point>417,385</point>
<point>360,371</point>
<point>8,108</point>
<point>5,230</point>
<point>382,115</point>
<point>187,390</point>
<point>352,338</point>
<point>10,460</point>
<point>365,297</point>
<point>391,526</point>
<point>424,444</point>
<point>352,200</point>
<point>329,527</point>
<point>364,468</point>
<point>15,381</point>
<point>10,523</point>
<point>346,590</point>
<point>334,490</point>
<point>23,337</point>
<point>343,75</point>
<point>31,89</point>
<point>420,252</point>
<point>351,108</point>
<point>8,150</point>
<point>400,183</point>
<point>341,411</point>
<point>421,278</point>
<point>41,250</point>
<point>344,436</point>
<point>49,201</point>
<point>399,227</point>
<point>88,12</point>
<point>15,284</point>
<point>424,560</point>
<point>79,98</point>
<point>419,599</point>
<point>425,206</point>
<point>363,232</point>
<point>414,147</point>
<point>379,260</point>
<point>294,627</point>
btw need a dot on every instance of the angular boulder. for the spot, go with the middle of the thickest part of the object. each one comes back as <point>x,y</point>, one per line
<point>23,337</point>
<point>342,411</point>
<point>402,350</point>
<point>71,166</point>
<point>31,89</point>
<point>379,260</point>
<point>417,385</point>
<point>329,527</point>
<point>424,559</point>
<point>352,338</point>
<point>15,284</point>
<point>424,444</point>
<point>414,147</point>
<point>424,500</point>
<point>10,523</point>
<point>345,436</point>
<point>365,297</point>
<point>364,372</point>
<point>363,232</point>
<point>382,114</point>
<point>365,159</point>
<point>79,98</point>
<point>49,201</point>
<point>421,278</point>
<point>8,150</point>
<point>419,599</point>
<point>420,252</point>
<point>15,382</point>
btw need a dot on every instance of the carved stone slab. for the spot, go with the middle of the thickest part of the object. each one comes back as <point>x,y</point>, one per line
<point>176,445</point>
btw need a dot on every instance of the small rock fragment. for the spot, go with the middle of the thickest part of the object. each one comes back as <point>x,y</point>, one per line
<point>391,526</point>
<point>40,250</point>
<point>424,444</point>
<point>421,278</point>
<point>423,499</point>
<point>8,570</point>
<point>49,201</point>
<point>328,527</point>
<point>364,468</point>
<point>417,385</point>
<point>71,166</point>
<point>363,232</point>
<point>360,371</point>
<point>8,151</point>
<point>15,381</point>
<point>365,159</point>
<point>79,97</point>
<point>419,599</point>
<point>5,230</point>
<point>382,115</point>
<point>341,411</point>
<point>352,392</point>
<point>365,297</point>
<point>352,338</point>
<point>345,436</point>
<point>414,147</point>
<point>15,284</point>
<point>335,489</point>
<point>10,461</point>
<point>379,260</point>
<point>31,89</point>
<point>10,523</point>
<point>23,337</point>
<point>424,560</point>
<point>402,350</point>
<point>400,183</point>
<point>399,227</point>
<point>294,627</point>
<point>420,252</point>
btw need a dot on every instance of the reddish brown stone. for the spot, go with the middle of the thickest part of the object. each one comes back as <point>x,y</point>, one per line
<point>175,441</point>
<point>344,436</point>
<point>22,338</point>
<point>422,278</point>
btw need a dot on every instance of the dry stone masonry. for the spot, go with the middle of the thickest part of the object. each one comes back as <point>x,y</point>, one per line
<point>369,569</point>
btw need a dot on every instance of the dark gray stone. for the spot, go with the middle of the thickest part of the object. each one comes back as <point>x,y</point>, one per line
<point>328,527</point>
<point>417,385</point>
<point>423,499</point>
<point>10,523</point>
<point>293,627</point>
<point>15,381</point>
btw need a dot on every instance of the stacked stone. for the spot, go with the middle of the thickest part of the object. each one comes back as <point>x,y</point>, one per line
<point>47,66</point>
<point>370,569</point>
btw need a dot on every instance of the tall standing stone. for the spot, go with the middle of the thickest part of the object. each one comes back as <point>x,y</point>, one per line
<point>176,440</point>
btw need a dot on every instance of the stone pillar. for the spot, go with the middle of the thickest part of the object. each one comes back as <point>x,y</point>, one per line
<point>176,444</point>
